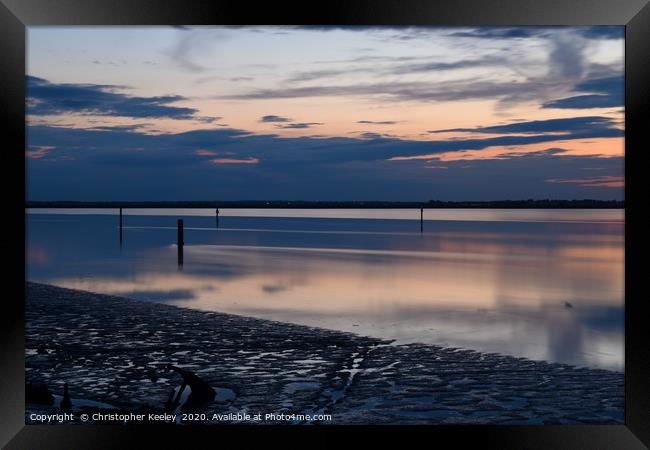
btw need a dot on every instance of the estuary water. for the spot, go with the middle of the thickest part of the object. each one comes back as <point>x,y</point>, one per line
<point>541,284</point>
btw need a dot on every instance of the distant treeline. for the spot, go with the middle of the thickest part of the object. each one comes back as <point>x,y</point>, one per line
<point>533,204</point>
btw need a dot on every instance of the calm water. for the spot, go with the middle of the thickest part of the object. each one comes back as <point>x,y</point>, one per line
<point>489,280</point>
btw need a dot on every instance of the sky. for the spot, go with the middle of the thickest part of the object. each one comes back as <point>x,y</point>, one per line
<point>324,113</point>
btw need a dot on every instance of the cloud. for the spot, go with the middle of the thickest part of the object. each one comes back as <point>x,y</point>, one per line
<point>202,152</point>
<point>533,154</point>
<point>531,90</point>
<point>605,92</point>
<point>568,64</point>
<point>362,28</point>
<point>287,123</point>
<point>524,32</point>
<point>409,91</point>
<point>43,153</point>
<point>566,58</point>
<point>128,164</point>
<point>45,98</point>
<point>371,135</point>
<point>438,66</point>
<point>188,43</point>
<point>274,119</point>
<point>607,85</point>
<point>299,125</point>
<point>127,146</point>
<point>437,147</point>
<point>370,59</point>
<point>565,125</point>
<point>378,122</point>
<point>485,32</point>
<point>207,119</point>
<point>234,161</point>
<point>585,102</point>
<point>241,79</point>
<point>132,127</point>
<point>606,181</point>
<point>40,152</point>
<point>110,63</point>
<point>318,74</point>
<point>396,66</point>
<point>501,32</point>
<point>603,32</point>
<point>600,32</point>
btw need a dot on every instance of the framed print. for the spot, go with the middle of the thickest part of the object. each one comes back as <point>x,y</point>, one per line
<point>365,217</point>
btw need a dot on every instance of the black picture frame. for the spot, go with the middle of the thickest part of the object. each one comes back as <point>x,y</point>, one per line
<point>15,15</point>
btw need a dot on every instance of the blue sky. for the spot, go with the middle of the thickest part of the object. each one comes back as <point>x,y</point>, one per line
<point>324,113</point>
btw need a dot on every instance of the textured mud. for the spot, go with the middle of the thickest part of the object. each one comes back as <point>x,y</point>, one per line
<point>113,352</point>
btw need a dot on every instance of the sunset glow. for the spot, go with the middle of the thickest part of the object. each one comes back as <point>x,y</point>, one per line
<point>324,113</point>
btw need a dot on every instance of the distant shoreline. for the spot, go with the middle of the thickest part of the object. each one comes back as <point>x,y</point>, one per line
<point>286,204</point>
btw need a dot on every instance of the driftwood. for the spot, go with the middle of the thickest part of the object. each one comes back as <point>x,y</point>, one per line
<point>66,402</point>
<point>201,393</point>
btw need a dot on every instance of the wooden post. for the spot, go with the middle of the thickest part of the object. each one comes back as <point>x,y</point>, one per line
<point>180,242</point>
<point>120,226</point>
<point>179,237</point>
<point>217,216</point>
<point>421,220</point>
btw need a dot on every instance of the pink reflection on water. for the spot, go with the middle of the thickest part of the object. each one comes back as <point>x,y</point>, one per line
<point>492,295</point>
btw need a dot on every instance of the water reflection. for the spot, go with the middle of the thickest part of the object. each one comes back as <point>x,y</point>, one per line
<point>495,286</point>
<point>454,214</point>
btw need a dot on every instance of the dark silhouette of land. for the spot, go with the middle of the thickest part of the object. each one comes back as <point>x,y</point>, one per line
<point>514,204</point>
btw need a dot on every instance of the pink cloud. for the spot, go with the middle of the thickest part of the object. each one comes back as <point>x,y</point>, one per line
<point>39,153</point>
<point>203,152</point>
<point>608,181</point>
<point>234,161</point>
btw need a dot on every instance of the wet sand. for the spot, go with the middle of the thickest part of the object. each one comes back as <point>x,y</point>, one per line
<point>113,353</point>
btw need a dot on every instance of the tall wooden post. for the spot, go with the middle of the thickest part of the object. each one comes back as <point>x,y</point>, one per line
<point>179,237</point>
<point>180,242</point>
<point>120,226</point>
<point>217,216</point>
